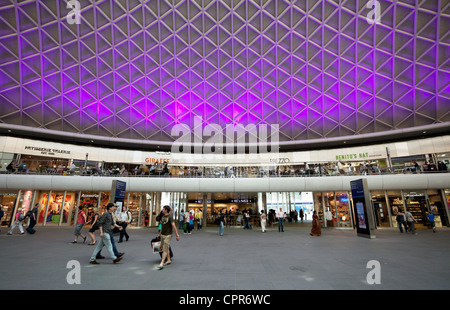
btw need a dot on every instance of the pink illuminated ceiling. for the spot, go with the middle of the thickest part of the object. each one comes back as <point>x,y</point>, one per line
<point>133,69</point>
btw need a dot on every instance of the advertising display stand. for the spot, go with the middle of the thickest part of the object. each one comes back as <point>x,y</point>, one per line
<point>118,190</point>
<point>365,225</point>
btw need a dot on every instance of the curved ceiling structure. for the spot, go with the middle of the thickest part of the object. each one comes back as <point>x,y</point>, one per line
<point>131,69</point>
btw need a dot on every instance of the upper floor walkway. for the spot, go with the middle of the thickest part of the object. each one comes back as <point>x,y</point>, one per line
<point>422,181</point>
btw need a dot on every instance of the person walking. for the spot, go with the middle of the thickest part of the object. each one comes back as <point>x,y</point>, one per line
<point>182,215</point>
<point>2,213</point>
<point>199,218</point>
<point>106,222</point>
<point>315,230</point>
<point>400,218</point>
<point>191,222</point>
<point>410,220</point>
<point>94,226</point>
<point>81,220</point>
<point>430,217</point>
<point>165,235</point>
<point>221,219</point>
<point>263,221</point>
<point>124,220</point>
<point>281,217</point>
<point>18,222</point>
<point>32,214</point>
<point>247,220</point>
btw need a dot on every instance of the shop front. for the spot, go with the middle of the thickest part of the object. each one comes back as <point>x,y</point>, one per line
<point>7,202</point>
<point>56,208</point>
<point>381,209</point>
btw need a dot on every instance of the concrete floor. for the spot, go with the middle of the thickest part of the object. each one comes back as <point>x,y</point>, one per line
<point>239,260</point>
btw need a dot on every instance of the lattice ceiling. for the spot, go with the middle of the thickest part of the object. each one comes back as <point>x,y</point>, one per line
<point>133,69</point>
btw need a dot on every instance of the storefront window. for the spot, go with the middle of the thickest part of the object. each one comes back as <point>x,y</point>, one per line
<point>437,207</point>
<point>416,203</point>
<point>318,207</point>
<point>25,201</point>
<point>380,208</point>
<point>134,204</point>
<point>343,210</point>
<point>7,201</point>
<point>447,198</point>
<point>42,201</point>
<point>105,199</point>
<point>329,209</point>
<point>396,205</point>
<point>54,208</point>
<point>68,207</point>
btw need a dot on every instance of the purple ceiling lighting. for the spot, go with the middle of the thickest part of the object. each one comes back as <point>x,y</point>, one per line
<point>133,69</point>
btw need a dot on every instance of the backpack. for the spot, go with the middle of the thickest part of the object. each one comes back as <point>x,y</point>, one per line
<point>21,217</point>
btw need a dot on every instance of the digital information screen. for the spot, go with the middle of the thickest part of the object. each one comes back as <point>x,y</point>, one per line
<point>363,208</point>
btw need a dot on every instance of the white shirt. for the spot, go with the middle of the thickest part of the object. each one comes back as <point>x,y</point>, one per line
<point>280,214</point>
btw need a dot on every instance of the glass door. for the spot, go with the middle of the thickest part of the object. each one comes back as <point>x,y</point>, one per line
<point>380,209</point>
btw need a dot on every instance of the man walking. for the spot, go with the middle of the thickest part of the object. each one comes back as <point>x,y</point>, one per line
<point>105,226</point>
<point>33,217</point>
<point>410,220</point>
<point>165,235</point>
<point>280,216</point>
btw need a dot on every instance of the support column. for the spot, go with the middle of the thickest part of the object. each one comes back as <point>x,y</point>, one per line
<point>205,210</point>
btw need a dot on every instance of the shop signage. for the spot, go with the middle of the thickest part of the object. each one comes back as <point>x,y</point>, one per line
<point>47,151</point>
<point>151,160</point>
<point>89,195</point>
<point>352,156</point>
<point>280,160</point>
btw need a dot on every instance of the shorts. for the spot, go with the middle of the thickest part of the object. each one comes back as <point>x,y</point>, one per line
<point>78,229</point>
<point>165,242</point>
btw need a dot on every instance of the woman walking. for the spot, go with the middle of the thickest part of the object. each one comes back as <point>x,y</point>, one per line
<point>81,220</point>
<point>315,230</point>
<point>263,221</point>
<point>94,226</point>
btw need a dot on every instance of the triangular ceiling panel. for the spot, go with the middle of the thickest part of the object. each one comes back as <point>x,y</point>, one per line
<point>316,68</point>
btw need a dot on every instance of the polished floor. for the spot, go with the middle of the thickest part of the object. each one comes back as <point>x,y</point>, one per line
<point>238,260</point>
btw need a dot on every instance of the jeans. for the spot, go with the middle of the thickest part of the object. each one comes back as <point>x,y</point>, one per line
<point>123,232</point>
<point>16,223</point>
<point>400,226</point>
<point>280,225</point>
<point>221,228</point>
<point>412,228</point>
<point>105,241</point>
